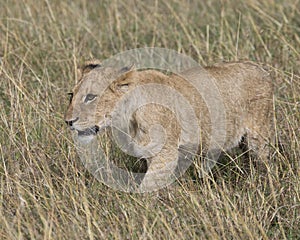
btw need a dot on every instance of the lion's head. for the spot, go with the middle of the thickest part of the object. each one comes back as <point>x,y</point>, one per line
<point>95,95</point>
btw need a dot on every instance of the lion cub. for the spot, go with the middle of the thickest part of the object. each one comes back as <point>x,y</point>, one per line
<point>167,119</point>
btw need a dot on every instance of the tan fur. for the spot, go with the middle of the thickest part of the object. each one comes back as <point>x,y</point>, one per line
<point>245,88</point>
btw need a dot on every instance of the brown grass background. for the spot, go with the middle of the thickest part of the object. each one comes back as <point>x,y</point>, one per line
<point>46,193</point>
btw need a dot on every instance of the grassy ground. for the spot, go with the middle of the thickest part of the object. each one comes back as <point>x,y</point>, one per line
<point>45,192</point>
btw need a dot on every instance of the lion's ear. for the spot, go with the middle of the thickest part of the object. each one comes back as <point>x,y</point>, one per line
<point>87,67</point>
<point>124,80</point>
<point>127,69</point>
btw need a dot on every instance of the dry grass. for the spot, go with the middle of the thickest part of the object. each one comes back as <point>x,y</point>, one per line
<point>45,192</point>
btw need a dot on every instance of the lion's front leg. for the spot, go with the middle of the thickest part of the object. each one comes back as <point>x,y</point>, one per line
<point>161,170</point>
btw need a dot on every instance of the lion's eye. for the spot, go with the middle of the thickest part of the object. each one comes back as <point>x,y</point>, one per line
<point>90,97</point>
<point>71,96</point>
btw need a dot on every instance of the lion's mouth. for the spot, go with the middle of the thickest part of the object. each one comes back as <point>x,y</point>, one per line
<point>88,131</point>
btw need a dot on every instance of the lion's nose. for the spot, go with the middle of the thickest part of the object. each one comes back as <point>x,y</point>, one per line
<point>71,122</point>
